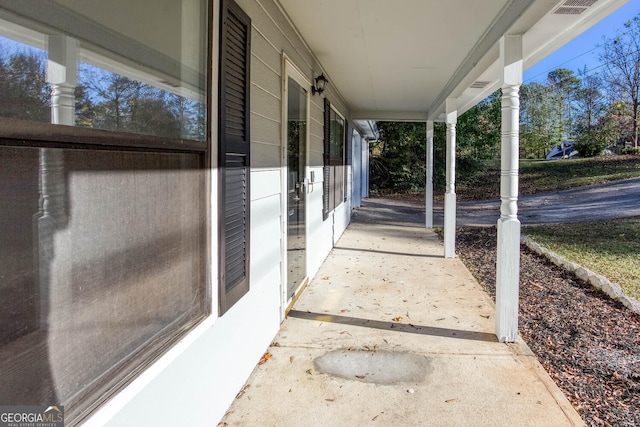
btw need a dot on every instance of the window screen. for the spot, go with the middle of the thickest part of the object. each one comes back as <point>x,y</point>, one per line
<point>334,160</point>
<point>103,152</point>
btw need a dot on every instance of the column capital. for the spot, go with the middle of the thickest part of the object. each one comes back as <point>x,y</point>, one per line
<point>511,60</point>
<point>429,177</point>
<point>451,107</point>
<point>62,60</point>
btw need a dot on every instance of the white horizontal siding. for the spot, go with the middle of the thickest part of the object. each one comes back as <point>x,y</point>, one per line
<point>203,373</point>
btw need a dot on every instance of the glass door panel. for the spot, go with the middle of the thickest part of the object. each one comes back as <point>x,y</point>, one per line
<point>296,188</point>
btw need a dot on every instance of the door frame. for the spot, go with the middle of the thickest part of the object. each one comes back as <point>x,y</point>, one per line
<point>289,69</point>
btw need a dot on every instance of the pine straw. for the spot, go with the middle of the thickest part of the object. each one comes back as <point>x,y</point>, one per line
<point>588,344</point>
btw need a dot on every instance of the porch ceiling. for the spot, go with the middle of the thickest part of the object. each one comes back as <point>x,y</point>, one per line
<point>400,60</point>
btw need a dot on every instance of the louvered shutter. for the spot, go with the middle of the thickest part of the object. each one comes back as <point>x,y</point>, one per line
<point>326,170</point>
<point>348,154</point>
<point>234,154</point>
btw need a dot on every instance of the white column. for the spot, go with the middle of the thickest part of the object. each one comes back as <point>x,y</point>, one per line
<point>429,178</point>
<point>51,216</point>
<point>450,193</point>
<point>508,256</point>
<point>61,74</point>
<point>365,168</point>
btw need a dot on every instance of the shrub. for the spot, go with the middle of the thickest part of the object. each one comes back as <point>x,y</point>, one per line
<point>634,151</point>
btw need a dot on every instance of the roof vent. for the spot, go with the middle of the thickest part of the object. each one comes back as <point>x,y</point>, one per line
<point>479,84</point>
<point>574,7</point>
<point>579,3</point>
<point>570,10</point>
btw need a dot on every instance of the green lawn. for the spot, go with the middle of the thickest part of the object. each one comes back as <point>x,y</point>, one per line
<point>547,175</point>
<point>610,248</point>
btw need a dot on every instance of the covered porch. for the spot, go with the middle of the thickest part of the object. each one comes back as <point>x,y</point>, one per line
<point>392,333</point>
<point>418,61</point>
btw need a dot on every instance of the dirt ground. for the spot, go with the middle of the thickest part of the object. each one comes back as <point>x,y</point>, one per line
<point>589,344</point>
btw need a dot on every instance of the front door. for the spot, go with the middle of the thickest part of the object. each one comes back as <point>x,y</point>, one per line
<point>296,186</point>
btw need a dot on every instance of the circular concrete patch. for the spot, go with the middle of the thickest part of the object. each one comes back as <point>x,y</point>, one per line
<point>379,367</point>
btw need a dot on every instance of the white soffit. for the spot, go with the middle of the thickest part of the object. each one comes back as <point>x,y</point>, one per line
<point>541,37</point>
<point>401,59</point>
<point>391,55</point>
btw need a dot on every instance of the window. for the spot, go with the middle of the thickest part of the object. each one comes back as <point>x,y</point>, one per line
<point>103,152</point>
<point>234,154</point>
<point>334,160</point>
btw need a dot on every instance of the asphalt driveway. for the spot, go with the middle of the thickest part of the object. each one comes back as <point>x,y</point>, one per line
<point>617,199</point>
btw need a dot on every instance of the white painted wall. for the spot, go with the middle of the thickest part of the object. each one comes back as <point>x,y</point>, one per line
<point>356,186</point>
<point>200,376</point>
<point>341,219</point>
<point>364,192</point>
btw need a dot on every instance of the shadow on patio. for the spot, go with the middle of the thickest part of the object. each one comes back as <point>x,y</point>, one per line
<point>410,339</point>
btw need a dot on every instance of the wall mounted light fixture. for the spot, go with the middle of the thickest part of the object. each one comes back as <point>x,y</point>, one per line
<point>321,84</point>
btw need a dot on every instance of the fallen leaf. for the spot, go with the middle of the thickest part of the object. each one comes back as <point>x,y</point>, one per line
<point>291,359</point>
<point>330,400</point>
<point>308,371</point>
<point>264,358</point>
<point>344,310</point>
<point>397,319</point>
<point>241,392</point>
<point>360,376</point>
<point>451,400</point>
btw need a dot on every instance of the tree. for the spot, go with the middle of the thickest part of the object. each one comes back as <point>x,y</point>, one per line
<point>126,105</point>
<point>536,118</point>
<point>84,108</point>
<point>591,138</point>
<point>478,133</point>
<point>478,130</point>
<point>114,91</point>
<point>398,158</point>
<point>24,91</point>
<point>149,112</point>
<point>191,116</point>
<point>621,57</point>
<point>563,85</point>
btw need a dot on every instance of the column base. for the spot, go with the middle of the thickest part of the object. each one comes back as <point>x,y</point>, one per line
<point>429,206</point>
<point>450,225</point>
<point>507,279</point>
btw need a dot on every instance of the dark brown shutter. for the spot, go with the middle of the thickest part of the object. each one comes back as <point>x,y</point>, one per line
<point>234,141</point>
<point>348,155</point>
<point>326,170</point>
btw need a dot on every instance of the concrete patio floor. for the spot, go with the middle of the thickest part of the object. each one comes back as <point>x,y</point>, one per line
<point>391,333</point>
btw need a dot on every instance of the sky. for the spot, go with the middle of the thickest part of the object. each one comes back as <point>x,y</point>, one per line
<point>582,51</point>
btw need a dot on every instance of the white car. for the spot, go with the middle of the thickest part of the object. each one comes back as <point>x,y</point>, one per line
<point>563,151</point>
